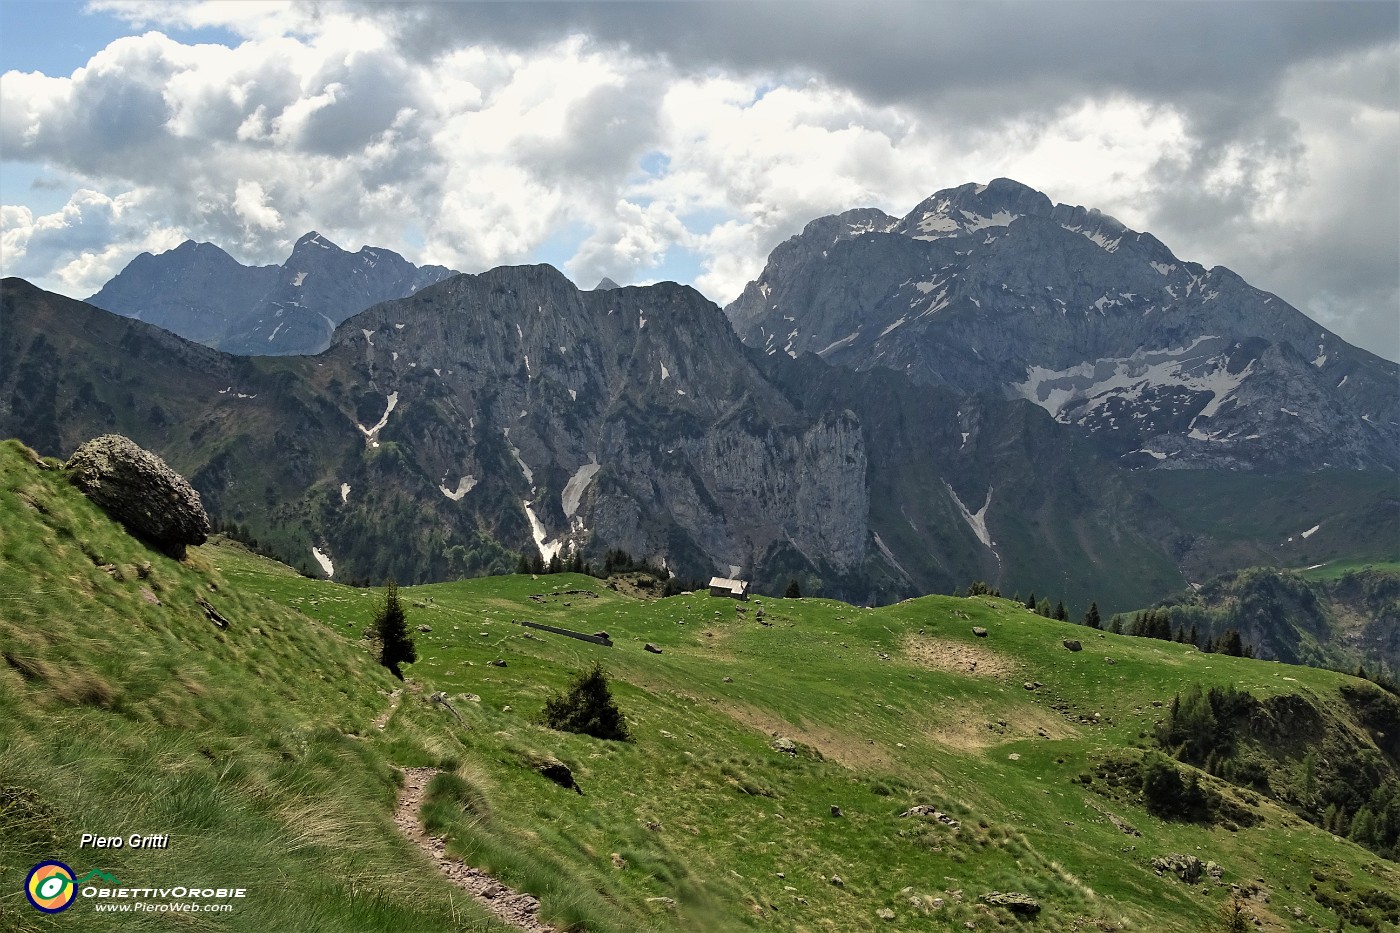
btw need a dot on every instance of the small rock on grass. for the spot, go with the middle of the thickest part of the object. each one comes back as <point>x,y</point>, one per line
<point>979,631</point>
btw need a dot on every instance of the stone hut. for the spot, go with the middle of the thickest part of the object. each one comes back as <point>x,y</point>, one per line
<point>734,589</point>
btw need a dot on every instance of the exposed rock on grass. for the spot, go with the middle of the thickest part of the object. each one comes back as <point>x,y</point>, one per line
<point>555,770</point>
<point>1186,867</point>
<point>135,487</point>
<point>1022,904</point>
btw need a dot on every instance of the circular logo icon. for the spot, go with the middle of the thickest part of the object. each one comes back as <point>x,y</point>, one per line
<point>50,887</point>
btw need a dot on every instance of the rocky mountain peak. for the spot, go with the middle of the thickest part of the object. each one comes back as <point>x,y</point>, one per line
<point>605,284</point>
<point>849,224</point>
<point>313,240</point>
<point>972,207</point>
<point>992,288</point>
<point>200,292</point>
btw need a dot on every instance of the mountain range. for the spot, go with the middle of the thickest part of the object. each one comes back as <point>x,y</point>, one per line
<point>992,387</point>
<point>203,294</point>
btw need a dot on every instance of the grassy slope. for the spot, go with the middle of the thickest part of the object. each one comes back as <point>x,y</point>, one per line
<point>122,716</point>
<point>257,779</point>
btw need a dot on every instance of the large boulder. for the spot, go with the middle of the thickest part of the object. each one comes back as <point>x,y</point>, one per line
<point>135,487</point>
<point>1016,903</point>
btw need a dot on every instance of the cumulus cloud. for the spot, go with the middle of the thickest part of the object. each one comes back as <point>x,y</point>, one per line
<point>80,244</point>
<point>478,134</point>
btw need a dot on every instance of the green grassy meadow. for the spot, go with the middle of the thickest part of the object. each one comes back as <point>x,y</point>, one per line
<point>124,709</point>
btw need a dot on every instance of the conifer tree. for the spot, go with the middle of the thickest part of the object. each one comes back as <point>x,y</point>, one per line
<point>391,627</point>
<point>793,591</point>
<point>1061,613</point>
<point>588,708</point>
<point>1231,644</point>
<point>1092,617</point>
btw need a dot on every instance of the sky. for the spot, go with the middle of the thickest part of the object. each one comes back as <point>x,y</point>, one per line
<point>684,140</point>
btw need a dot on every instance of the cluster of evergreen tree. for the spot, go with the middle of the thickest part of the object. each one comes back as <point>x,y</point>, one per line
<point>615,561</point>
<point>1375,824</point>
<point>1157,623</point>
<point>1042,607</point>
<point>1038,606</point>
<point>1201,728</point>
<point>1168,795</point>
<point>1149,623</point>
<point>538,565</point>
<point>1348,795</point>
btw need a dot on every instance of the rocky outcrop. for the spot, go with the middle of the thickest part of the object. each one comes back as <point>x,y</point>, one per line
<point>135,487</point>
<point>1186,867</point>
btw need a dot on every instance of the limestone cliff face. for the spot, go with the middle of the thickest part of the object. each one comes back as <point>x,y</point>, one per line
<point>623,417</point>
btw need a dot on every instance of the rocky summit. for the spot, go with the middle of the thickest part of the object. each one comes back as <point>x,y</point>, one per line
<point>1164,363</point>
<point>203,294</point>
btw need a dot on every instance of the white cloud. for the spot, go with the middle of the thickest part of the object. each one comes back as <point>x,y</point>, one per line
<point>321,118</point>
<point>250,203</point>
<point>78,246</point>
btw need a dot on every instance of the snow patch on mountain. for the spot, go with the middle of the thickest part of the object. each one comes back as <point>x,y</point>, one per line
<point>324,560</point>
<point>838,344</point>
<point>344,493</point>
<point>977,521</point>
<point>515,452</point>
<point>577,486</point>
<point>1070,394</point>
<point>894,325</point>
<point>464,486</point>
<point>548,549</point>
<point>372,434</point>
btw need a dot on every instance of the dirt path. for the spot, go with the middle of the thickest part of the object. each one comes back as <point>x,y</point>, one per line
<point>383,718</point>
<point>518,910</point>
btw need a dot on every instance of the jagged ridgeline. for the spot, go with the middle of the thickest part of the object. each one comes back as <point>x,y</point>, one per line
<point>997,389</point>
<point>203,294</point>
<point>923,766</point>
<point>490,415</point>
